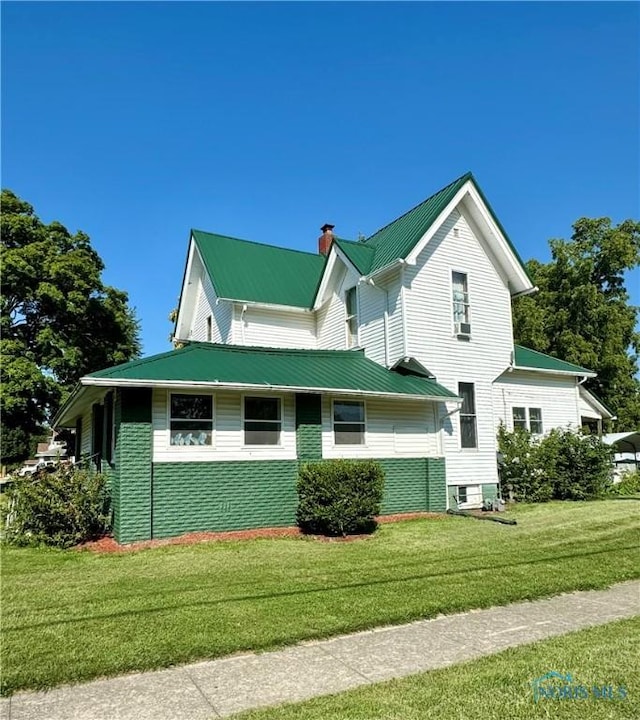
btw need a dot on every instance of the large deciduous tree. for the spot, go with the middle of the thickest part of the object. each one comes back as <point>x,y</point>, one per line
<point>582,311</point>
<point>59,321</point>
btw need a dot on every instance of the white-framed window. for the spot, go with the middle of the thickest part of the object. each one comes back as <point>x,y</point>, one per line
<point>468,424</point>
<point>528,419</point>
<point>190,419</point>
<point>262,420</point>
<point>349,422</point>
<point>209,328</point>
<point>460,302</point>
<point>351,307</point>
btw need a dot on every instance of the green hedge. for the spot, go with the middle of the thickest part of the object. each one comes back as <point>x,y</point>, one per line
<point>564,465</point>
<point>339,497</point>
<point>60,508</point>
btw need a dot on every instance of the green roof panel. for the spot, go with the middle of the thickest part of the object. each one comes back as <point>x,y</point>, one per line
<point>244,270</point>
<point>526,358</point>
<point>345,370</point>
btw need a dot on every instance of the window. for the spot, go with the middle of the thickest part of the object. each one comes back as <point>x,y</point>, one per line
<point>462,494</point>
<point>468,434</point>
<point>191,420</point>
<point>348,422</point>
<point>528,419</point>
<point>351,303</point>
<point>520,418</point>
<point>209,328</point>
<point>262,421</point>
<point>535,420</point>
<point>460,299</point>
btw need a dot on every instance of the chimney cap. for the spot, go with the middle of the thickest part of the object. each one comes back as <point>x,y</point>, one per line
<point>326,227</point>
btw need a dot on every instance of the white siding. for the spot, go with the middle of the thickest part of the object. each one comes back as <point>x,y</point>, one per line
<point>394,428</point>
<point>273,328</point>
<point>554,394</point>
<point>207,306</point>
<point>228,435</point>
<point>396,319</point>
<point>332,316</point>
<point>372,303</point>
<point>86,433</point>
<point>430,338</point>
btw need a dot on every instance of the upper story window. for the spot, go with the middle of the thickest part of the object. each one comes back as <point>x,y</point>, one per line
<point>351,304</point>
<point>348,422</point>
<point>460,300</point>
<point>468,428</point>
<point>262,421</point>
<point>191,421</point>
<point>528,419</point>
<point>209,328</point>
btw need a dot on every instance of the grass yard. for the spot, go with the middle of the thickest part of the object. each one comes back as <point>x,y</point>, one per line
<point>499,686</point>
<point>70,616</point>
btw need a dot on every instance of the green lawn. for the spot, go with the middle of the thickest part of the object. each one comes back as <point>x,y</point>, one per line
<point>498,687</point>
<point>71,615</point>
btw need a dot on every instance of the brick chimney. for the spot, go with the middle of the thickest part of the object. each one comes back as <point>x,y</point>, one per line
<point>325,240</point>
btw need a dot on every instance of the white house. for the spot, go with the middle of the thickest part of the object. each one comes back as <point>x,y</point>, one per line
<point>397,348</point>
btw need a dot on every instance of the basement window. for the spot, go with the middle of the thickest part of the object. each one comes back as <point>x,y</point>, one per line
<point>191,420</point>
<point>262,421</point>
<point>348,422</point>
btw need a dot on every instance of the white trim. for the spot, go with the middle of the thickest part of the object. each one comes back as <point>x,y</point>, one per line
<point>554,372</point>
<point>185,283</point>
<point>119,382</point>
<point>333,429</point>
<point>318,301</point>
<point>590,399</point>
<point>260,446</point>
<point>189,448</point>
<point>267,306</point>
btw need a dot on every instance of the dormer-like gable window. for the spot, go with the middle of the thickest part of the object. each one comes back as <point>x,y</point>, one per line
<point>351,306</point>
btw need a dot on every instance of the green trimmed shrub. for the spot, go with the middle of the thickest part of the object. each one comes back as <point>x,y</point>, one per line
<point>339,497</point>
<point>60,508</point>
<point>564,465</point>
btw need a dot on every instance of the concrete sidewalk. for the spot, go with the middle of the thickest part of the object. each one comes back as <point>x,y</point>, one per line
<point>218,688</point>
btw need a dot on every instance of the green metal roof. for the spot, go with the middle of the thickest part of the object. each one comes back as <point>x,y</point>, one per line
<point>526,358</point>
<point>244,270</point>
<point>362,256</point>
<point>339,370</point>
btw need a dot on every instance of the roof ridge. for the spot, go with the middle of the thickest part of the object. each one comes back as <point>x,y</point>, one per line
<point>466,176</point>
<point>255,242</point>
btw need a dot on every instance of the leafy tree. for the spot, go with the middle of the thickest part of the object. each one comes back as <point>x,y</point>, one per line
<point>58,321</point>
<point>582,312</point>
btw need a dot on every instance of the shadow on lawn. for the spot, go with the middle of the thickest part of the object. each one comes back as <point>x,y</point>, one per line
<point>309,591</point>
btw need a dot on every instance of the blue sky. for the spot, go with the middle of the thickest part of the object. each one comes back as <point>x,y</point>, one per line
<point>137,121</point>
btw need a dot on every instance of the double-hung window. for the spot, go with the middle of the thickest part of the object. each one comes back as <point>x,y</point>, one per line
<point>348,422</point>
<point>528,419</point>
<point>351,304</point>
<point>262,421</point>
<point>191,421</point>
<point>468,429</point>
<point>460,300</point>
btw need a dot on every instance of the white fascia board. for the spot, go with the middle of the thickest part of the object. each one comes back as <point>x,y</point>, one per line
<point>266,306</point>
<point>412,257</point>
<point>185,284</point>
<point>513,266</point>
<point>181,384</point>
<point>595,403</point>
<point>570,373</point>
<point>328,272</point>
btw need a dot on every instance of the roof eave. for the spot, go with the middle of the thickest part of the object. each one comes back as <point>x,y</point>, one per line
<point>125,382</point>
<point>574,373</point>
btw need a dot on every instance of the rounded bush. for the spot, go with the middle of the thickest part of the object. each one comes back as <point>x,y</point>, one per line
<point>339,497</point>
<point>60,508</point>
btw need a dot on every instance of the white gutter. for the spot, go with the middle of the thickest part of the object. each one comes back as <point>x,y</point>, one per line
<point>555,372</point>
<point>266,306</point>
<point>386,268</point>
<point>120,382</point>
<point>530,291</point>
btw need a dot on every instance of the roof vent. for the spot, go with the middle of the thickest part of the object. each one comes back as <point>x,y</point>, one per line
<point>325,240</point>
